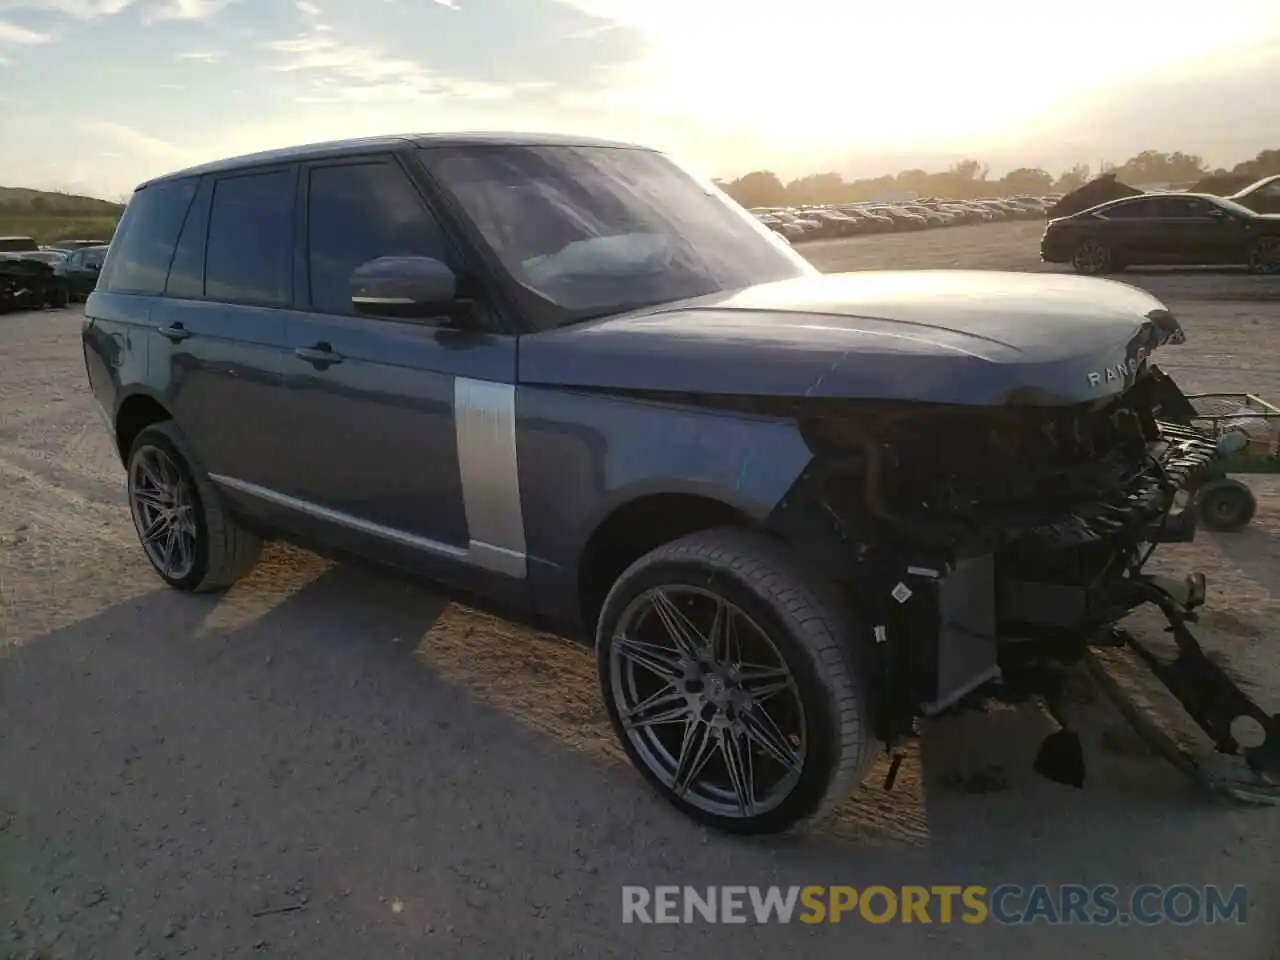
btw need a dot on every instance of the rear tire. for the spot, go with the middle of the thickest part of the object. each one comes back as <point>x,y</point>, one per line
<point>199,547</point>
<point>815,734</point>
<point>1092,258</point>
<point>1226,505</point>
<point>1264,256</point>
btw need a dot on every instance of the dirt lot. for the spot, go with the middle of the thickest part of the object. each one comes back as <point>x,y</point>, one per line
<point>328,763</point>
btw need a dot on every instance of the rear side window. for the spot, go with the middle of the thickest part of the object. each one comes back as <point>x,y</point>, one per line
<point>1134,209</point>
<point>138,261</point>
<point>357,213</point>
<point>249,256</point>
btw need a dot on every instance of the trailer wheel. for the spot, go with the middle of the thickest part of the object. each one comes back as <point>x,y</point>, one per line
<point>1226,505</point>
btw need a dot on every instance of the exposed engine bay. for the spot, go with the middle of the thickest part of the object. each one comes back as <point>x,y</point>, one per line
<point>992,547</point>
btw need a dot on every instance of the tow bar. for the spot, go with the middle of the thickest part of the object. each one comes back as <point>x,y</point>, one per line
<point>1231,719</point>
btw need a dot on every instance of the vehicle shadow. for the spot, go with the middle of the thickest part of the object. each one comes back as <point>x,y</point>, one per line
<point>338,759</point>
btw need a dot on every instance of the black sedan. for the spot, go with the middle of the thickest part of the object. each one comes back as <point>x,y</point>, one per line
<point>80,270</point>
<point>1181,229</point>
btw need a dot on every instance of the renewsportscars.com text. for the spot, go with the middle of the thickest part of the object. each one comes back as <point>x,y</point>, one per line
<point>1008,904</point>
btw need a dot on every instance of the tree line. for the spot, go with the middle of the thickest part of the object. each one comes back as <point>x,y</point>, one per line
<point>969,179</point>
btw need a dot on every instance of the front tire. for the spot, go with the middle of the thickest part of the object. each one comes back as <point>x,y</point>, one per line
<point>732,679</point>
<point>1092,258</point>
<point>184,528</point>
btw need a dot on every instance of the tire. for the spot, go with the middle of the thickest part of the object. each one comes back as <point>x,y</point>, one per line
<point>784,609</point>
<point>1264,256</point>
<point>1091,258</point>
<point>220,551</point>
<point>1226,505</point>
<point>59,298</point>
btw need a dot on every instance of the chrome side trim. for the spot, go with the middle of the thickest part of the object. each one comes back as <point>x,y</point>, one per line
<point>484,417</point>
<point>412,540</point>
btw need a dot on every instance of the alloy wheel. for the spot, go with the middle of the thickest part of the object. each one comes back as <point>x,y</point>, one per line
<point>1265,257</point>
<point>1090,257</point>
<point>160,498</point>
<point>707,701</point>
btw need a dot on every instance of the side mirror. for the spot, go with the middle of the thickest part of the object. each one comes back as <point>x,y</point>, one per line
<point>418,288</point>
<point>1217,213</point>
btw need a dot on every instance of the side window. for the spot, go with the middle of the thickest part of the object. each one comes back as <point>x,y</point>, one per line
<point>1186,207</point>
<point>75,260</point>
<point>1271,191</point>
<point>186,274</point>
<point>1133,210</point>
<point>357,213</point>
<point>249,256</point>
<point>143,244</point>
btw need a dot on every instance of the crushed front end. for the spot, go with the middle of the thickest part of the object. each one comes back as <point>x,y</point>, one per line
<point>991,547</point>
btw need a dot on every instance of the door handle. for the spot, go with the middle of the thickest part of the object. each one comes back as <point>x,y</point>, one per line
<point>175,333</point>
<point>321,355</point>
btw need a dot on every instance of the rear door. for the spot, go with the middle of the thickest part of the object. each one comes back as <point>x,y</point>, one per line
<point>385,415</point>
<point>220,327</point>
<point>1132,230</point>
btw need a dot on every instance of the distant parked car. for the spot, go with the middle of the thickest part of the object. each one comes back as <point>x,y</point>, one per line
<point>1169,228</point>
<point>18,245</point>
<point>77,244</point>
<point>80,270</point>
<point>1263,196</point>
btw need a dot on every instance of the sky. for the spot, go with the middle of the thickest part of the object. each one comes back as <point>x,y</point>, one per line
<point>97,95</point>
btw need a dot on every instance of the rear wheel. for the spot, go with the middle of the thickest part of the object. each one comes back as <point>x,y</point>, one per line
<point>185,530</point>
<point>1226,505</point>
<point>1091,258</point>
<point>730,678</point>
<point>1264,256</point>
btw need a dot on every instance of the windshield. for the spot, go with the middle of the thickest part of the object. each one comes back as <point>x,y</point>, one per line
<point>600,230</point>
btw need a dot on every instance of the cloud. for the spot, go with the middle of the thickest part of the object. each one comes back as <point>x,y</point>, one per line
<point>309,9</point>
<point>135,141</point>
<point>344,73</point>
<point>186,10</point>
<point>12,33</point>
<point>202,56</point>
<point>76,9</point>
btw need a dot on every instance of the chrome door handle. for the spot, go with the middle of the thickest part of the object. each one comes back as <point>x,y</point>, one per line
<point>321,355</point>
<point>175,333</point>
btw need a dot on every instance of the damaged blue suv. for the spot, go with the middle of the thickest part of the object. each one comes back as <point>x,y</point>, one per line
<point>568,381</point>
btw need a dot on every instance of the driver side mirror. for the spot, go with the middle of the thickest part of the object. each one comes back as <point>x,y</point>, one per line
<point>413,288</point>
<point>1218,213</point>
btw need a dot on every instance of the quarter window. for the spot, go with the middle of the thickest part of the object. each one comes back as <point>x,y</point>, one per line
<point>249,257</point>
<point>143,244</point>
<point>357,213</point>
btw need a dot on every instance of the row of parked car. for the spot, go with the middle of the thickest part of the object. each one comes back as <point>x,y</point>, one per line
<point>853,219</point>
<point>34,275</point>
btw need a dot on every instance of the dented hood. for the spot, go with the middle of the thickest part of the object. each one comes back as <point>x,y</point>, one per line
<point>960,337</point>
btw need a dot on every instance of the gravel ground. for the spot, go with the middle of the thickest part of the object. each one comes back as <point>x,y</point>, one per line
<point>329,763</point>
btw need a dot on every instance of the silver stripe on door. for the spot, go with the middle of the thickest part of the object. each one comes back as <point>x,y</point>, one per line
<point>484,417</point>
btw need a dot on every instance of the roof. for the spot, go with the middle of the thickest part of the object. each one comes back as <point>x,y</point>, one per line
<point>360,145</point>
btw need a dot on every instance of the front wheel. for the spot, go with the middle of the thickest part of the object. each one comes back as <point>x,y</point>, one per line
<point>191,540</point>
<point>732,679</point>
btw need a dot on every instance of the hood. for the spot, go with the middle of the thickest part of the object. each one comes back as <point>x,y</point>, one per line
<point>960,337</point>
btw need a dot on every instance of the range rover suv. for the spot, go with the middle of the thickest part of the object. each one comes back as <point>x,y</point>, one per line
<point>568,381</point>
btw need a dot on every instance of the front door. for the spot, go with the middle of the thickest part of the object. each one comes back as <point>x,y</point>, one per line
<point>401,433</point>
<point>1197,232</point>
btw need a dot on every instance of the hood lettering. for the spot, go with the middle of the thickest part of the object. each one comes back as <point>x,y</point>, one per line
<point>1118,371</point>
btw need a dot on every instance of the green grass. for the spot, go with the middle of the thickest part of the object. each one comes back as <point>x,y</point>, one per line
<point>45,228</point>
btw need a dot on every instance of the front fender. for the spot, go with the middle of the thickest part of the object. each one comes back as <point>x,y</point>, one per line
<point>583,455</point>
